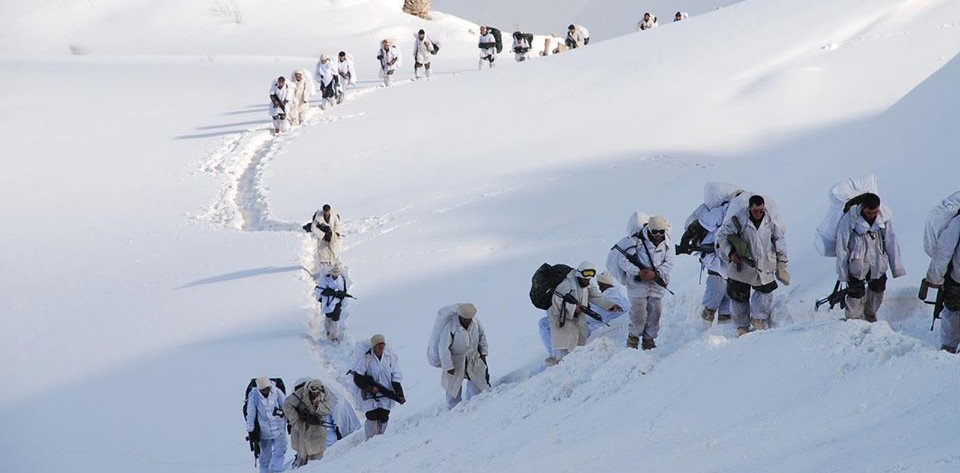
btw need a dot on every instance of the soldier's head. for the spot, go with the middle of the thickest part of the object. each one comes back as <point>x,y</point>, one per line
<point>314,388</point>
<point>421,34</point>
<point>378,342</point>
<point>342,56</point>
<point>870,206</point>
<point>657,228</point>
<point>466,312</point>
<point>263,385</point>
<point>572,28</point>
<point>678,16</point>
<point>385,44</point>
<point>298,76</point>
<point>326,210</point>
<point>484,30</point>
<point>757,207</point>
<point>585,273</point>
<point>281,80</point>
<point>605,281</point>
<point>335,272</point>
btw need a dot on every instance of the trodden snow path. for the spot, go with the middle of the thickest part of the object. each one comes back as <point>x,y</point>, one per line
<point>239,160</point>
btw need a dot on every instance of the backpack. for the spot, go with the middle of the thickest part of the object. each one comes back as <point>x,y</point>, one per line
<point>843,196</point>
<point>498,37</point>
<point>436,47</point>
<point>545,280</point>
<point>937,221</point>
<point>444,316</point>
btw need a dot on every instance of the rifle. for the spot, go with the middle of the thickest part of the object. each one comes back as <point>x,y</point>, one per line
<point>277,103</point>
<point>254,439</point>
<point>838,296</point>
<point>384,391</point>
<point>569,299</point>
<point>329,292</point>
<point>634,260</point>
<point>937,303</point>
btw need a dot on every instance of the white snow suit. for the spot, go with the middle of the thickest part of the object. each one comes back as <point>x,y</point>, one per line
<point>421,54</point>
<point>389,61</point>
<point>488,49</point>
<point>574,39</point>
<point>463,350</point>
<point>334,305</point>
<point>645,304</point>
<point>945,270</point>
<point>568,329</point>
<point>644,25</point>
<point>328,242</point>
<point>767,243</point>
<point>864,253</point>
<point>348,73</point>
<point>386,371</point>
<point>521,49</point>
<point>280,107</point>
<point>300,101</point>
<point>715,293</point>
<point>273,428</point>
<point>329,79</point>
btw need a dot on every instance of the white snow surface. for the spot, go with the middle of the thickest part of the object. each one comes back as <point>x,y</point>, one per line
<point>153,261</point>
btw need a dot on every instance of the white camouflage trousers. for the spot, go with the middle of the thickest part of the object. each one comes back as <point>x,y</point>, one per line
<point>645,317</point>
<point>374,427</point>
<point>271,454</point>
<point>715,295</point>
<point>950,328</point>
<point>759,307</point>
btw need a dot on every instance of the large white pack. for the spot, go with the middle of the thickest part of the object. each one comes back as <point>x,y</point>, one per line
<point>636,222</point>
<point>840,193</point>
<point>938,219</point>
<point>716,193</point>
<point>444,317</point>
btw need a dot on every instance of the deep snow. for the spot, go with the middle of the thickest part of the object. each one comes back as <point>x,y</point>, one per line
<point>151,266</point>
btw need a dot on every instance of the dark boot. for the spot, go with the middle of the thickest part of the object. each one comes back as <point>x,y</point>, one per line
<point>633,342</point>
<point>724,318</point>
<point>870,318</point>
<point>949,349</point>
<point>648,344</point>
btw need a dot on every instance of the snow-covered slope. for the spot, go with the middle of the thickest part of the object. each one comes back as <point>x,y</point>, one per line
<point>153,264</point>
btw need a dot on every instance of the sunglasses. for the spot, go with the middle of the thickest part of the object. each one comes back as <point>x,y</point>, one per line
<point>588,273</point>
<point>658,232</point>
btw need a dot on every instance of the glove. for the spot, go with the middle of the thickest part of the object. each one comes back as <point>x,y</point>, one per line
<point>638,278</point>
<point>782,274</point>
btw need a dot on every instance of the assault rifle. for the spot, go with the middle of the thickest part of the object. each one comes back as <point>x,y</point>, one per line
<point>330,292</point>
<point>368,382</point>
<point>570,299</point>
<point>277,103</point>
<point>937,303</point>
<point>634,260</point>
<point>838,296</point>
<point>254,439</point>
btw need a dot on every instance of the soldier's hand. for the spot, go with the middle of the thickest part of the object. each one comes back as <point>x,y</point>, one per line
<point>374,389</point>
<point>734,258</point>
<point>616,308</point>
<point>647,275</point>
<point>451,371</point>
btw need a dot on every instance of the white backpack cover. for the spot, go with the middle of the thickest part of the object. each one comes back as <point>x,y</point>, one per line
<point>637,221</point>
<point>840,193</point>
<point>938,219</point>
<point>716,193</point>
<point>444,316</point>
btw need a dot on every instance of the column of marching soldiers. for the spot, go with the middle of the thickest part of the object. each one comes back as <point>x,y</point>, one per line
<point>290,100</point>
<point>740,241</point>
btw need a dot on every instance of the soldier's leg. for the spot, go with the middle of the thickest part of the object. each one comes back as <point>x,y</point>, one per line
<point>856,291</point>
<point>761,305</point>
<point>544,326</point>
<point>416,70</point>
<point>739,294</point>
<point>452,401</point>
<point>426,68</point>
<point>276,453</point>
<point>874,298</point>
<point>950,317</point>
<point>638,320</point>
<point>652,328</point>
<point>713,296</point>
